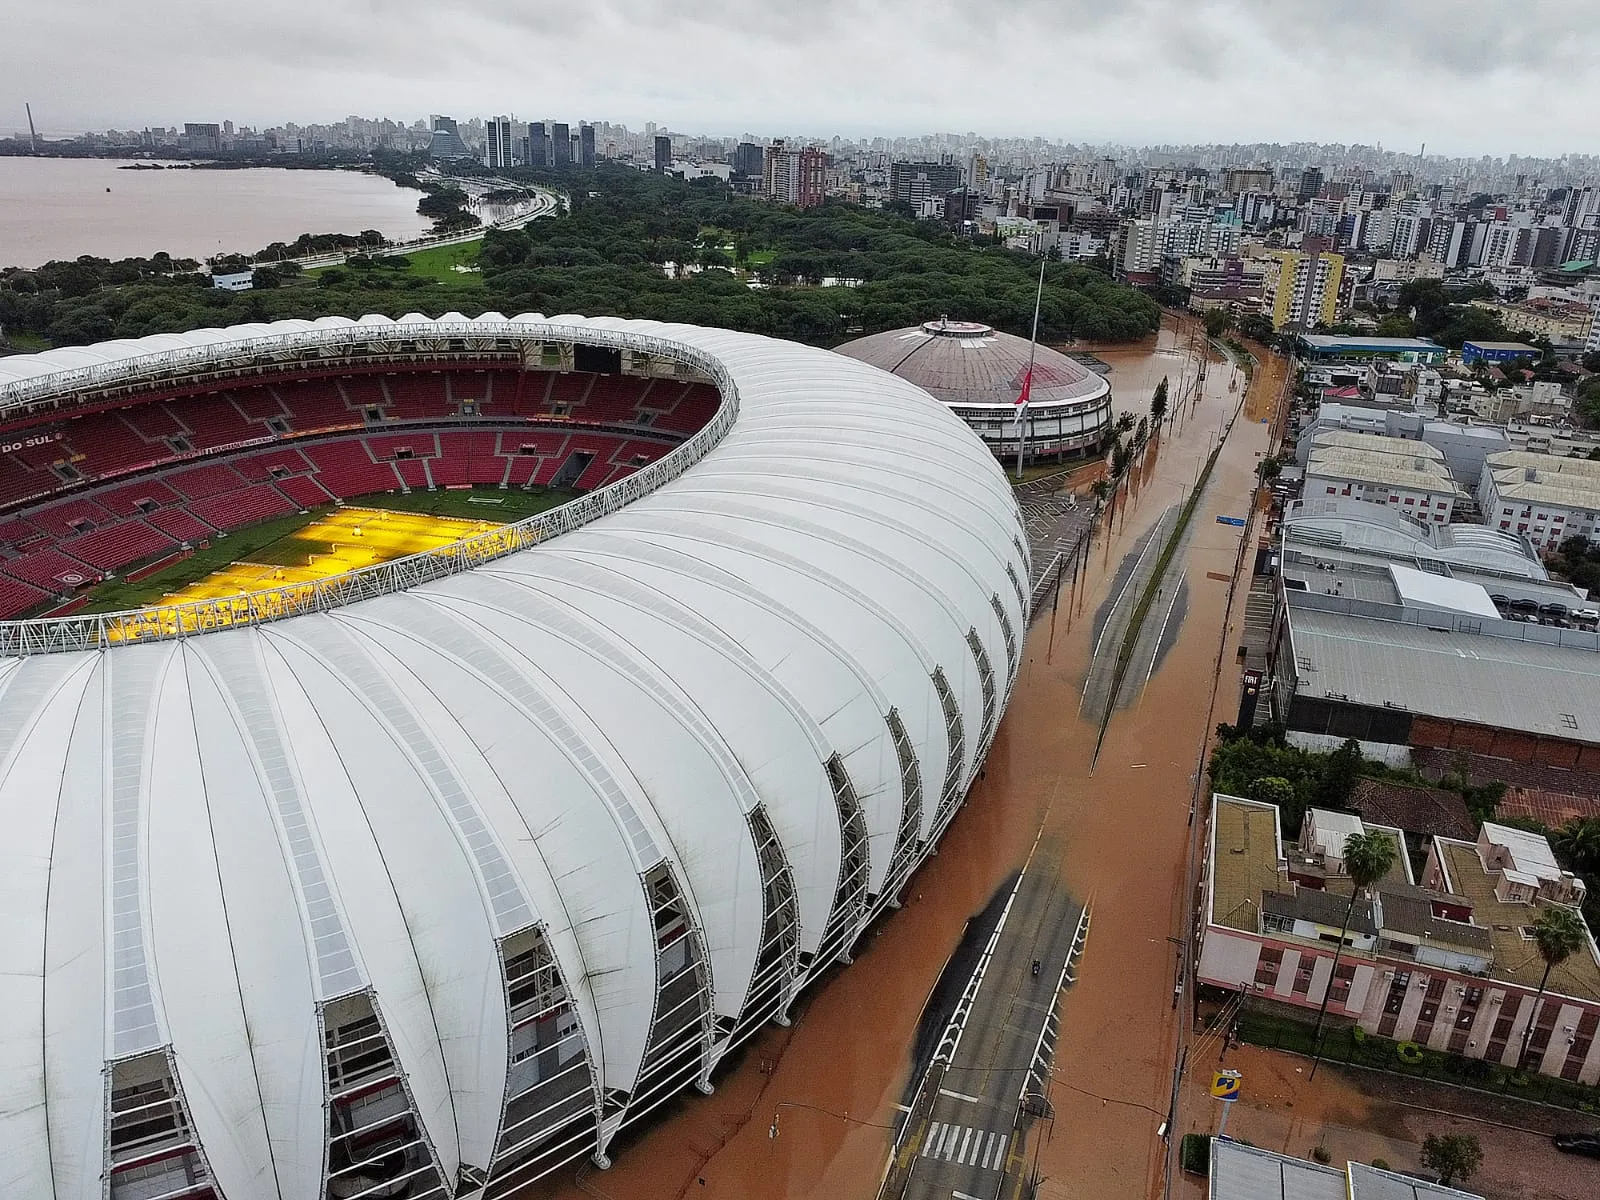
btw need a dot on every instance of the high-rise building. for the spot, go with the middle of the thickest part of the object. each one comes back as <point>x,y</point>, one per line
<point>1247,179</point>
<point>748,158</point>
<point>586,145</point>
<point>446,141</point>
<point>663,153</point>
<point>914,182</point>
<point>1304,289</point>
<point>538,145</point>
<point>560,145</point>
<point>497,143</point>
<point>203,138</point>
<point>798,177</point>
<point>1310,183</point>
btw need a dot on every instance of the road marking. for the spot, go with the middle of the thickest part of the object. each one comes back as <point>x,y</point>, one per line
<point>963,1196</point>
<point>965,1146</point>
<point>960,1096</point>
<point>998,1158</point>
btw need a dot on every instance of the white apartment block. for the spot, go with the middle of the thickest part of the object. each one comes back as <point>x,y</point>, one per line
<point>1403,474</point>
<point>1543,498</point>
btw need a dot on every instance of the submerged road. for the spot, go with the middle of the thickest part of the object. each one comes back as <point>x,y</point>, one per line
<point>960,1137</point>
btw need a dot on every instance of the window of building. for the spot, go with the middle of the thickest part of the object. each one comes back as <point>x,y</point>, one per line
<point>1410,500</point>
<point>1397,991</point>
<point>1505,524</point>
<point>1302,976</point>
<point>1339,992</point>
<point>1275,923</point>
<point>1267,966</point>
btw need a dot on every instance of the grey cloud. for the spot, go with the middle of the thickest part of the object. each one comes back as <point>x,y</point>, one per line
<point>1462,75</point>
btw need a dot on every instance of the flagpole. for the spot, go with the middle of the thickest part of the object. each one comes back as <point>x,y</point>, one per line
<point>1027,378</point>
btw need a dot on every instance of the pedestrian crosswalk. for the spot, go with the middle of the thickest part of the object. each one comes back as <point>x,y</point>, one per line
<point>966,1146</point>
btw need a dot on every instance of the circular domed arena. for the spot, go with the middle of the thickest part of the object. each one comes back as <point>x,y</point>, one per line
<point>428,878</point>
<point>978,372</point>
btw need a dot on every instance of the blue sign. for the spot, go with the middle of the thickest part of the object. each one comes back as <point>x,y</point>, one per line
<point>1239,521</point>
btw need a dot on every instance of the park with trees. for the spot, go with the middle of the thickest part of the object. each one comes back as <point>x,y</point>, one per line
<point>631,244</point>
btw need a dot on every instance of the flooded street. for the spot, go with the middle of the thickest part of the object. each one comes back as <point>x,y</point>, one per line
<point>809,1111</point>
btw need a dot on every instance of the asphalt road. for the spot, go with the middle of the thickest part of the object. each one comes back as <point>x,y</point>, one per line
<point>959,1140</point>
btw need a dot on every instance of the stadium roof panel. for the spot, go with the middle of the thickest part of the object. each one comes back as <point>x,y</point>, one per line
<point>686,743</point>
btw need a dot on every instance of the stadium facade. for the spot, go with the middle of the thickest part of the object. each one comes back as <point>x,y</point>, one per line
<point>429,880</point>
<point>978,372</point>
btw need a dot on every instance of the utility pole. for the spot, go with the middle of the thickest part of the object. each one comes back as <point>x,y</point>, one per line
<point>33,136</point>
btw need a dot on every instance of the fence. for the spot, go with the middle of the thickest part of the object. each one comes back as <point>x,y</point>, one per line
<point>1353,1047</point>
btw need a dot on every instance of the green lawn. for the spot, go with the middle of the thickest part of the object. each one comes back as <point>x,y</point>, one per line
<point>435,265</point>
<point>24,342</point>
<point>255,544</point>
<point>475,504</point>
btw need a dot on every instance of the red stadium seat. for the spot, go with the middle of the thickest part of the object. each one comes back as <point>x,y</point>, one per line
<point>305,491</point>
<point>347,470</point>
<point>181,525</point>
<point>49,569</point>
<point>64,541</point>
<point>17,598</point>
<point>249,506</point>
<point>125,501</point>
<point>118,545</point>
<point>199,482</point>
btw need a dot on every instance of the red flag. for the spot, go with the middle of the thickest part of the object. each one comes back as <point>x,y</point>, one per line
<point>1027,386</point>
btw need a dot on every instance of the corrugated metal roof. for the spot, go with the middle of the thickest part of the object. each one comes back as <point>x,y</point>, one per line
<point>1371,1183</point>
<point>1240,1172</point>
<point>1506,684</point>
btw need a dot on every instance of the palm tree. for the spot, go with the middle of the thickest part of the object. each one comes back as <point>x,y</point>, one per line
<point>1578,841</point>
<point>1559,933</point>
<point>1368,857</point>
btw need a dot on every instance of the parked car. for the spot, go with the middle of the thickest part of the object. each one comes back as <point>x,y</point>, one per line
<point>1587,1144</point>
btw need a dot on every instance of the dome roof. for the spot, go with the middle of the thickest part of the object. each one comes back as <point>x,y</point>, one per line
<point>515,851</point>
<point>971,365</point>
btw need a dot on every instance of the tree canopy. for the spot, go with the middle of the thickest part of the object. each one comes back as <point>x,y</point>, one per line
<point>606,255</point>
<point>1454,1157</point>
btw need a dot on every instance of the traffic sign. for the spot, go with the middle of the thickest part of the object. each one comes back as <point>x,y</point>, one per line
<point>1237,521</point>
<point>1225,1085</point>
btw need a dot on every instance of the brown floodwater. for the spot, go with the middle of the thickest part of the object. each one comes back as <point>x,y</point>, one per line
<point>832,1082</point>
<point>59,208</point>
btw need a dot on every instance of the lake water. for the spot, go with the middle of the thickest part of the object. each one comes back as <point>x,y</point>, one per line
<point>59,208</point>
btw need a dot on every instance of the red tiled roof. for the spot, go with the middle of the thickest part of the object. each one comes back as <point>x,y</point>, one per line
<point>1548,808</point>
<point>1420,810</point>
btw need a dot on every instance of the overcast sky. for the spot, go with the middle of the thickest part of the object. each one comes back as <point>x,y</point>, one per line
<point>1464,76</point>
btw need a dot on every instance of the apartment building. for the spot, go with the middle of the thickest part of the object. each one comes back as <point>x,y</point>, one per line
<point>1446,962</point>
<point>1301,288</point>
<point>1541,497</point>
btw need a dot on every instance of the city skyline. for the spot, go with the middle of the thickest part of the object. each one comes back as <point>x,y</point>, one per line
<point>1149,73</point>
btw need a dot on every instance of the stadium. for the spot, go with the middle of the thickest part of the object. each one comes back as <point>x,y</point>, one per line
<point>978,371</point>
<point>423,868</point>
